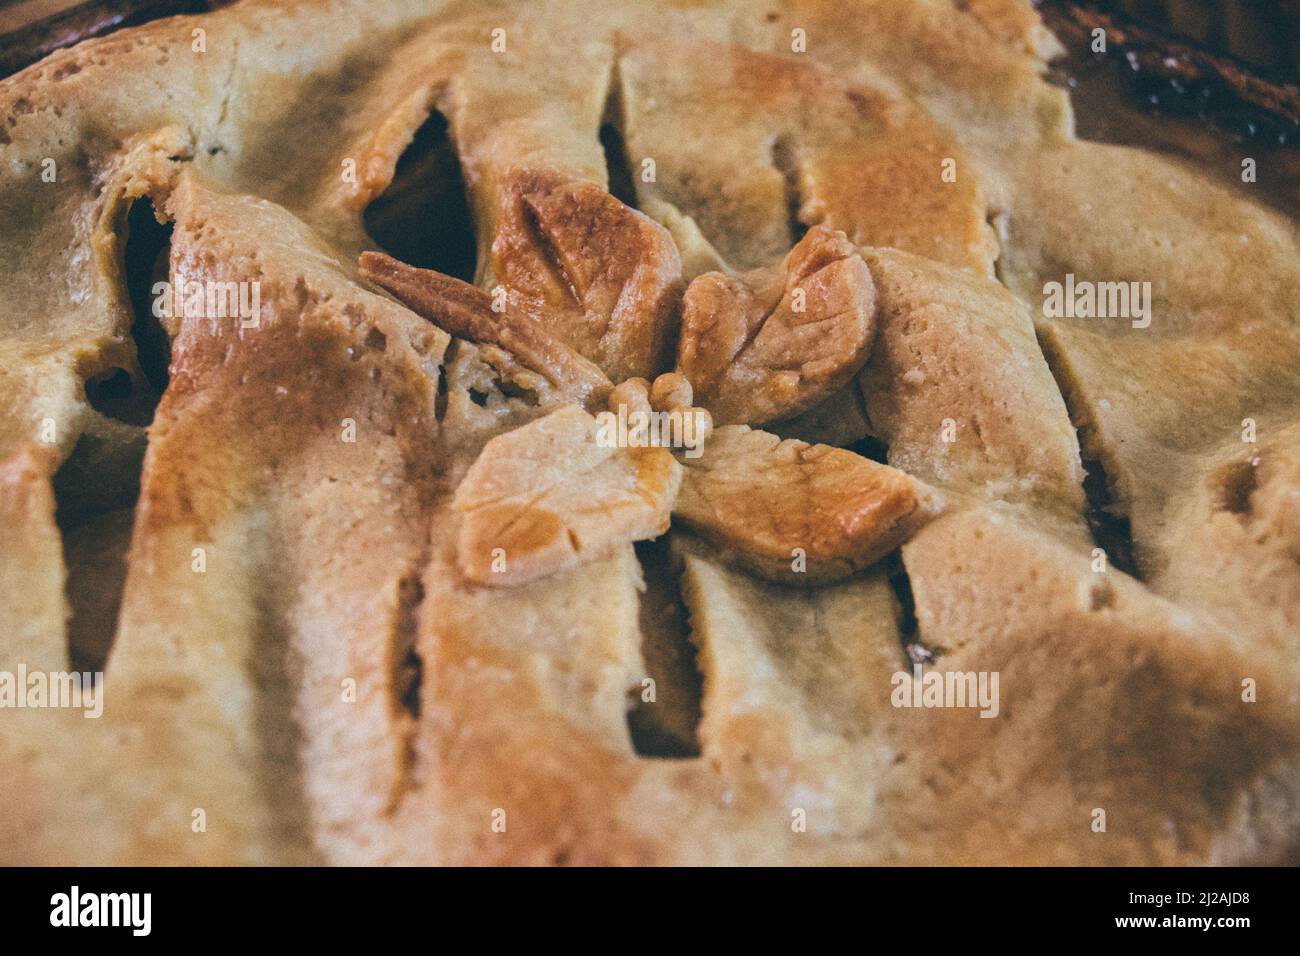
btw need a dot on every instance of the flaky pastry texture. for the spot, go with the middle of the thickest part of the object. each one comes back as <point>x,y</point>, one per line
<point>646,540</point>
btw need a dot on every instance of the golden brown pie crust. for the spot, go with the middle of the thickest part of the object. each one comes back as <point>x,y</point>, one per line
<point>316,658</point>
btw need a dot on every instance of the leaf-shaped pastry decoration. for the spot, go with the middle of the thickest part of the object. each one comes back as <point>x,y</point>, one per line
<point>768,344</point>
<point>466,311</point>
<point>603,277</point>
<point>782,504</point>
<point>549,496</point>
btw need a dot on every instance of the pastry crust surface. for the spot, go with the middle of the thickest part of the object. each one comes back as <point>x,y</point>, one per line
<point>317,651</point>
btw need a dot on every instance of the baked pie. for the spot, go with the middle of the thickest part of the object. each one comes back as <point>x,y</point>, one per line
<point>715,486</point>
